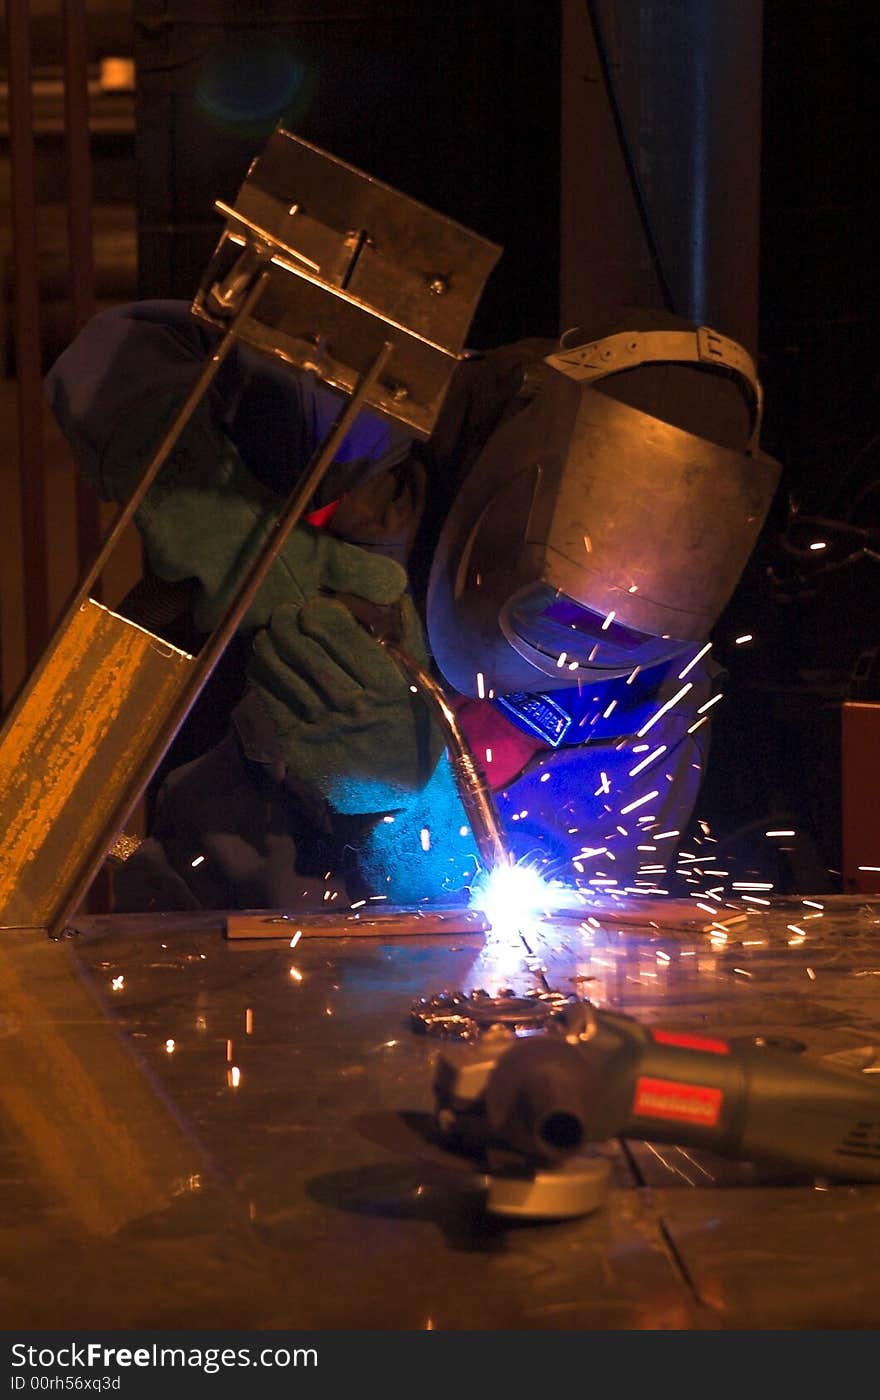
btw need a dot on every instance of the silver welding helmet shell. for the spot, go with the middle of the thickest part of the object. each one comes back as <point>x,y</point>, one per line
<point>591,538</point>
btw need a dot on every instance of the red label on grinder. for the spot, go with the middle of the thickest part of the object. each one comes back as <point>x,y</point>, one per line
<point>679,1103</point>
<point>691,1042</point>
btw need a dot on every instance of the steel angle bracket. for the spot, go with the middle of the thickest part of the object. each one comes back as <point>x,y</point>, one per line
<point>372,265</point>
<point>328,270</point>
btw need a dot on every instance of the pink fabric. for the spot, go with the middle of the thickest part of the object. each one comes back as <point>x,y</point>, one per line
<point>486,729</point>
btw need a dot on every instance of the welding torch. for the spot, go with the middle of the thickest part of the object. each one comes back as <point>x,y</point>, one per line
<point>382,621</point>
<point>595,1075</point>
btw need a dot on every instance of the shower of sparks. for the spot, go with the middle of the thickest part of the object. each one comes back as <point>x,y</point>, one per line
<point>694,659</point>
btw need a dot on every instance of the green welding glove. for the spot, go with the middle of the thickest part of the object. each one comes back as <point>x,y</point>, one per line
<point>206,516</point>
<point>350,725</point>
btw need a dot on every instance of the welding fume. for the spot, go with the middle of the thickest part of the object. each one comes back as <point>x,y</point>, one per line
<point>487,645</point>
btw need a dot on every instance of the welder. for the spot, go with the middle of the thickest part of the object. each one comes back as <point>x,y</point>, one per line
<point>574,649</point>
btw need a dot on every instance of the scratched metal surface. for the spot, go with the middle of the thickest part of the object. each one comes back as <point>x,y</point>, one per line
<point>277,1064</point>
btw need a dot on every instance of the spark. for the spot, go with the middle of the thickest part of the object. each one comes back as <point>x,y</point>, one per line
<point>249,1021</point>
<point>488,755</point>
<point>481,685</point>
<point>751,885</point>
<point>868,867</point>
<point>425,838</point>
<point>663,709</point>
<point>170,1047</point>
<point>709,703</point>
<point>746,637</point>
<point>608,621</point>
<point>588,544</point>
<point>693,661</point>
<point>632,675</point>
<point>198,860</point>
<point>357,905</point>
<point>233,1076</point>
<point>295,939</point>
<point>779,833</point>
<point>604,785</point>
<point>819,544</point>
<point>118,983</point>
<point>811,974</point>
<point>742,972</point>
<point>696,726</point>
<point>662,835</point>
<point>639,802</point>
<point>754,899</point>
<point>606,713</point>
<point>633,588</point>
<point>545,778</point>
<point>563,657</point>
<point>643,763</point>
<point>295,974</point>
<point>813,903</point>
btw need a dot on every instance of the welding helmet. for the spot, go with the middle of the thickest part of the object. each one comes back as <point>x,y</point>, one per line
<point>609,516</point>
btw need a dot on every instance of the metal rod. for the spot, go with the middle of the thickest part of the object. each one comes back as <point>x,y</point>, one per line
<point>78,165</point>
<point>168,442</point>
<point>474,791</point>
<point>213,648</point>
<point>28,363</point>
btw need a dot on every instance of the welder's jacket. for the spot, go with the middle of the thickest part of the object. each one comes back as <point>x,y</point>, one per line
<point>229,825</point>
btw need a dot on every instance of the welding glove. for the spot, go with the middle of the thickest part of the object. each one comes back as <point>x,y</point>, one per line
<point>206,516</point>
<point>349,723</point>
<point>423,851</point>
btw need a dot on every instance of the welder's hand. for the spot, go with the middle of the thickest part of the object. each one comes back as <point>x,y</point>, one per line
<point>349,724</point>
<point>206,516</point>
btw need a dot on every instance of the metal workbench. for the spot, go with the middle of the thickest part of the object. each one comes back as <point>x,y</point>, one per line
<point>189,1134</point>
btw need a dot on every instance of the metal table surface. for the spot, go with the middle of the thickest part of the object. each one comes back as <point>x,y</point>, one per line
<point>186,1137</point>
